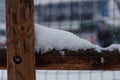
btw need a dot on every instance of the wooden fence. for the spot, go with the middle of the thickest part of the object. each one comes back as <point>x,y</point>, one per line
<point>81,60</point>
<point>19,58</point>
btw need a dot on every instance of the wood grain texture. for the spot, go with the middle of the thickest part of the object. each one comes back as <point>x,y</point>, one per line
<point>20,39</point>
<point>82,60</point>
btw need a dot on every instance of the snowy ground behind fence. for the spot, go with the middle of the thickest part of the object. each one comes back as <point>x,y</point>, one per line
<point>70,75</point>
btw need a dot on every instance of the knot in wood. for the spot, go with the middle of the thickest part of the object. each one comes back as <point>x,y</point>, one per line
<point>17,59</point>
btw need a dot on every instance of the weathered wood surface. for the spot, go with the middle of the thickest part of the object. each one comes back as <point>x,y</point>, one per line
<point>82,60</point>
<point>20,39</point>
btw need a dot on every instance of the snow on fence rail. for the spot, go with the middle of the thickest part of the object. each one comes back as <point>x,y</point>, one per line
<point>58,49</point>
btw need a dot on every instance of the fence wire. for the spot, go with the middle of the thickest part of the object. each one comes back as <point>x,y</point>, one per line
<point>71,74</point>
<point>77,75</point>
<point>80,17</point>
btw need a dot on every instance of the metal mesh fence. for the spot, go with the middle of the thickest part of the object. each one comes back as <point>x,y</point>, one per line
<point>79,17</point>
<point>2,11</point>
<point>70,75</point>
<point>78,75</point>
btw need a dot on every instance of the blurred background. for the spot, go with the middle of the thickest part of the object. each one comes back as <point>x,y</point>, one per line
<point>95,20</point>
<point>81,17</point>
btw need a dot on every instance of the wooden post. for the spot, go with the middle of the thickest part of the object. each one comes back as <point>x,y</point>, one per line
<point>20,39</point>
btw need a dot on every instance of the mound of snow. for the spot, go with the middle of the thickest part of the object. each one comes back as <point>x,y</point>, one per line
<point>47,39</point>
<point>113,47</point>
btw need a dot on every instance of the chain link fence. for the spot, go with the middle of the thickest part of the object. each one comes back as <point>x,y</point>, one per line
<point>71,74</point>
<point>80,16</point>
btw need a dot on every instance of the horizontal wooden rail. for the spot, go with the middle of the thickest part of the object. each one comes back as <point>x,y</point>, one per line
<point>81,60</point>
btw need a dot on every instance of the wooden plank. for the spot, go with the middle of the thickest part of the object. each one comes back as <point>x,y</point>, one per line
<point>82,60</point>
<point>20,39</point>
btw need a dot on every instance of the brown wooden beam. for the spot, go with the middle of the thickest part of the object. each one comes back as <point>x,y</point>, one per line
<point>20,39</point>
<point>82,60</point>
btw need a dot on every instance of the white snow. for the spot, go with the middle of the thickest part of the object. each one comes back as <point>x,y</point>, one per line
<point>62,53</point>
<point>48,39</point>
<point>56,1</point>
<point>2,26</point>
<point>114,14</point>
<point>2,38</point>
<point>71,75</point>
<point>113,17</point>
<point>102,60</point>
<point>113,47</point>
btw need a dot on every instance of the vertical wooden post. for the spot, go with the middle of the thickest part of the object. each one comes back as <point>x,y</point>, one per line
<point>20,39</point>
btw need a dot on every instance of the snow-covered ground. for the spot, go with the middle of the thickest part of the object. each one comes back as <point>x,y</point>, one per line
<point>55,1</point>
<point>2,26</point>
<point>2,37</point>
<point>71,75</point>
<point>113,17</point>
<point>114,14</point>
<point>78,75</point>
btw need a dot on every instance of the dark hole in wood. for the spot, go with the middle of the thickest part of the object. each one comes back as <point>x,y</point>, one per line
<point>17,59</point>
<point>22,28</point>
